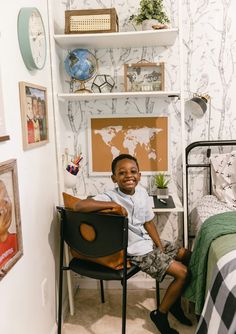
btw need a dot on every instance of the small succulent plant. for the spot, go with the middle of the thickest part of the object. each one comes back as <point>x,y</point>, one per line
<point>161,181</point>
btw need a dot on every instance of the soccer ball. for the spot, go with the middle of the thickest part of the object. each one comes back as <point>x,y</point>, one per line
<point>103,83</point>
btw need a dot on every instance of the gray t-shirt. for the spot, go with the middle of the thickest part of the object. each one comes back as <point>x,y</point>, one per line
<point>139,211</point>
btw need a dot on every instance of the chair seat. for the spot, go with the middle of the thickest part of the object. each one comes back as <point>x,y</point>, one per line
<point>97,271</point>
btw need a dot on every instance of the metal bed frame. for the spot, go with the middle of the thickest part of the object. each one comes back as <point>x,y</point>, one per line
<point>209,144</point>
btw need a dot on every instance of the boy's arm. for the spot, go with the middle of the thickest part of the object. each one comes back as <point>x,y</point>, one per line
<point>91,205</point>
<point>152,231</point>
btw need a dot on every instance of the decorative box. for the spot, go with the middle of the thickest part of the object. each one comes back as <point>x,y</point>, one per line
<point>91,21</point>
<point>144,76</point>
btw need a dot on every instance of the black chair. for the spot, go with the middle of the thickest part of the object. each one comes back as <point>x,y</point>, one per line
<point>111,236</point>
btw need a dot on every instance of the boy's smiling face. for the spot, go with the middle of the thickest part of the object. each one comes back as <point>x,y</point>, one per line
<point>126,175</point>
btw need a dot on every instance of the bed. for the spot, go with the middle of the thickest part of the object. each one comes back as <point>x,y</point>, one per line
<point>213,229</point>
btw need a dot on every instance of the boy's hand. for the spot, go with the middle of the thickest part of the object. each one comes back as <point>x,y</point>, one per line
<point>116,209</point>
<point>152,231</point>
<point>161,248</point>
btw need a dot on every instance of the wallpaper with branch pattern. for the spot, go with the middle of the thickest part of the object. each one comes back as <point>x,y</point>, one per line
<point>209,42</point>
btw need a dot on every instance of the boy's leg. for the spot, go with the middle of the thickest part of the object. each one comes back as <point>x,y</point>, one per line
<point>172,299</point>
<point>184,256</point>
<point>159,317</point>
<point>180,273</point>
<point>177,311</point>
<point>157,264</point>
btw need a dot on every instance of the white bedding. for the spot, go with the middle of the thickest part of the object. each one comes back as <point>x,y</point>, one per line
<point>206,207</point>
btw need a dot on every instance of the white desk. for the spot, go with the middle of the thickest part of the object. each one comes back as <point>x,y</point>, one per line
<point>178,205</point>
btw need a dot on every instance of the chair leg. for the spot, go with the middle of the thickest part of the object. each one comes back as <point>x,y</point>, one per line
<point>102,291</point>
<point>69,283</point>
<point>124,301</point>
<point>157,294</point>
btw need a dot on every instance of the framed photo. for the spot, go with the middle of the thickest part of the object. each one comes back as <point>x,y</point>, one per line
<point>11,248</point>
<point>144,77</point>
<point>34,115</point>
<point>145,137</point>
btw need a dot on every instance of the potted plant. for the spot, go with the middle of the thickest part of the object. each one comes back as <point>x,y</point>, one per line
<point>151,11</point>
<point>161,182</point>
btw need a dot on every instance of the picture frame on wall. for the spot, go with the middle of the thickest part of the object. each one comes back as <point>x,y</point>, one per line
<point>34,114</point>
<point>144,77</point>
<point>146,137</point>
<point>11,247</point>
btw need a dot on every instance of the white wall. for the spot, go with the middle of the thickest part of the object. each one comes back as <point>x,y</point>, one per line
<point>21,309</point>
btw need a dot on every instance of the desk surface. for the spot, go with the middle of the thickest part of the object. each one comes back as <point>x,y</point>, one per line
<point>178,205</point>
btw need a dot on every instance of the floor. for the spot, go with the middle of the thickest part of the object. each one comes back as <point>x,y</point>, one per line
<point>93,317</point>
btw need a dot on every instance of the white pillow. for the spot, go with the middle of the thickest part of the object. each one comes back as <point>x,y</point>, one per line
<point>223,171</point>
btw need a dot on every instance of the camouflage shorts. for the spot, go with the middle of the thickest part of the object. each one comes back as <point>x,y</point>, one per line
<point>155,263</point>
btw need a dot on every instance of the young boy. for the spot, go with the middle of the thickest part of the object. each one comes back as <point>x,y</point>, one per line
<point>154,256</point>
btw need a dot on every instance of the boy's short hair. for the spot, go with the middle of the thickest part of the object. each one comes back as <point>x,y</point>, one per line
<point>122,157</point>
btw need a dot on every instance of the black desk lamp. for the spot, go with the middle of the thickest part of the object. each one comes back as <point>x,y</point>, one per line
<point>198,104</point>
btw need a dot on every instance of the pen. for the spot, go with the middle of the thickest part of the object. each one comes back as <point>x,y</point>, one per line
<point>162,201</point>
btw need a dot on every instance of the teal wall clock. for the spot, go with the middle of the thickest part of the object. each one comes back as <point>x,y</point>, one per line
<point>32,38</point>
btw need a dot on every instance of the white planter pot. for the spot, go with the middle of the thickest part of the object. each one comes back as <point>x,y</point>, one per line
<point>147,24</point>
<point>162,193</point>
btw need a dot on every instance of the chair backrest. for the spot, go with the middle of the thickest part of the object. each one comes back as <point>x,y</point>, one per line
<point>110,232</point>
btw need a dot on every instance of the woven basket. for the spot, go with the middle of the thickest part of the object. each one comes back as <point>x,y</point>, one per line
<point>91,21</point>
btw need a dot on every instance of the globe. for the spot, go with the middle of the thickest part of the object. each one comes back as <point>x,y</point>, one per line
<point>81,65</point>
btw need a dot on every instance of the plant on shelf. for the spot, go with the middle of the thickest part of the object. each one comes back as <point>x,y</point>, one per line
<point>161,182</point>
<point>150,9</point>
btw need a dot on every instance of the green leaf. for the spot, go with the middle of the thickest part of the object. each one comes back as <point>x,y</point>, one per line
<point>161,181</point>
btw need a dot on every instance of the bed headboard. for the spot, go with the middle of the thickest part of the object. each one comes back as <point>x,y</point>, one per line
<point>188,165</point>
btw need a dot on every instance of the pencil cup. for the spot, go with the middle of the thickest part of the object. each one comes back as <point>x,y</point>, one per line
<point>69,179</point>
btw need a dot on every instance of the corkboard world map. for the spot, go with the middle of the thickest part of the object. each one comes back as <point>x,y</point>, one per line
<point>146,138</point>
